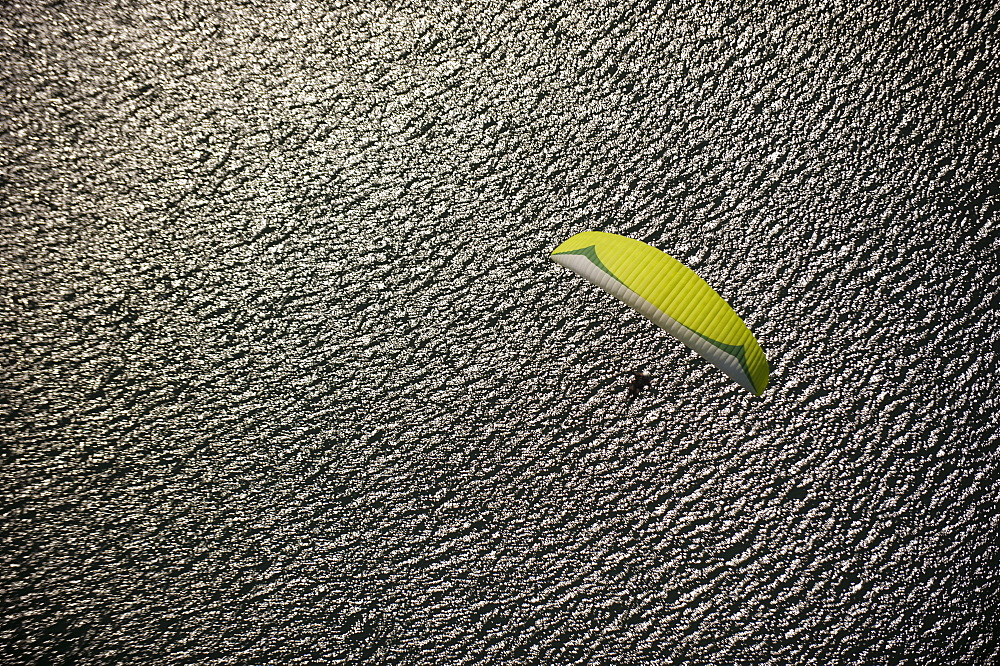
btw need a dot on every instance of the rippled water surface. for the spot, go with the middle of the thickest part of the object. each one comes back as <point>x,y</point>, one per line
<point>289,378</point>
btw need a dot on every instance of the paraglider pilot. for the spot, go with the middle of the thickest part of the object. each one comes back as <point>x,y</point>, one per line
<point>640,380</point>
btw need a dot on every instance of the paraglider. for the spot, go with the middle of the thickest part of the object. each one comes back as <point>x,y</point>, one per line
<point>672,296</point>
<point>640,380</point>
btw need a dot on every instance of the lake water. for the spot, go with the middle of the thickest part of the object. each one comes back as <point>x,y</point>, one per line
<point>290,379</point>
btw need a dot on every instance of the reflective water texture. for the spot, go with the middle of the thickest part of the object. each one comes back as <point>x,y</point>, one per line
<point>289,377</point>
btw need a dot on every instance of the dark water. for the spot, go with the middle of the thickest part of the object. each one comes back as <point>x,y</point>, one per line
<point>289,379</point>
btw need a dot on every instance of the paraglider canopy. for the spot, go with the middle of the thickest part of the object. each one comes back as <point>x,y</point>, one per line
<point>672,296</point>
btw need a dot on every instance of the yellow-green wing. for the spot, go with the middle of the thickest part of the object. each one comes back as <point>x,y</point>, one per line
<point>672,296</point>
